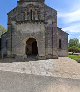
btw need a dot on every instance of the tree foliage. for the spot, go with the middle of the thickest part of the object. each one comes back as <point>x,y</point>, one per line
<point>74,42</point>
<point>2,30</point>
<point>74,49</point>
<point>74,45</point>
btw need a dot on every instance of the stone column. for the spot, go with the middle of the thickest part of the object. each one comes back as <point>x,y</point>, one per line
<point>41,47</point>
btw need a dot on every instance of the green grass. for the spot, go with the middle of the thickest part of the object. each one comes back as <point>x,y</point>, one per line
<point>75,57</point>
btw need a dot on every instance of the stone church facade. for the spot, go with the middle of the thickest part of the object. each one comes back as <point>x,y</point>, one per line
<point>33,31</point>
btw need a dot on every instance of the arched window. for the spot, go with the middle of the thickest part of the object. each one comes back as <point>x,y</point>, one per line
<point>60,46</point>
<point>32,15</point>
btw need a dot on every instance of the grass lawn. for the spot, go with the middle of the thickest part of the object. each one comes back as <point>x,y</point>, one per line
<point>75,57</point>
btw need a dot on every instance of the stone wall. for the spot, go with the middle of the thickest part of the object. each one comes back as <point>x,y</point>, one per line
<point>63,51</point>
<point>3,44</point>
<point>23,33</point>
<point>51,32</point>
<point>34,20</point>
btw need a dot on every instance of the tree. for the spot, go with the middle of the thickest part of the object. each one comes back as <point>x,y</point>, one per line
<point>74,42</point>
<point>2,30</point>
<point>74,49</point>
<point>74,45</point>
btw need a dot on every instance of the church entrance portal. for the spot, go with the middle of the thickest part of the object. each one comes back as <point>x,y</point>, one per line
<point>31,47</point>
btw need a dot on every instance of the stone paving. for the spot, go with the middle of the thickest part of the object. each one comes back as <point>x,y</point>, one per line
<point>63,67</point>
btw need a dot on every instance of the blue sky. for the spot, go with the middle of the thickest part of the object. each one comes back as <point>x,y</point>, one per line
<point>68,14</point>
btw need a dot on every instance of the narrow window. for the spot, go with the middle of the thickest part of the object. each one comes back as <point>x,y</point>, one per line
<point>60,44</point>
<point>38,14</point>
<point>31,14</point>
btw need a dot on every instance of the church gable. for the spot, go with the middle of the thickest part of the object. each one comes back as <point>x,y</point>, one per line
<point>33,19</point>
<point>50,15</point>
<point>38,12</point>
<point>31,12</point>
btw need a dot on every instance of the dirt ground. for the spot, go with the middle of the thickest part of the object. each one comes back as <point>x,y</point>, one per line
<point>63,67</point>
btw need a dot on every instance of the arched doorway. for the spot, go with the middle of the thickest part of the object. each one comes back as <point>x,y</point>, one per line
<point>31,47</point>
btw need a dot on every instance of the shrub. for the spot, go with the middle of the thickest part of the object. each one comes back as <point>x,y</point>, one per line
<point>74,49</point>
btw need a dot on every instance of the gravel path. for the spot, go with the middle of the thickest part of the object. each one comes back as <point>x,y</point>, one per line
<point>63,67</point>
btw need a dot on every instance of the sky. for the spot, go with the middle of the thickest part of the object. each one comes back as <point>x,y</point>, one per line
<point>68,14</point>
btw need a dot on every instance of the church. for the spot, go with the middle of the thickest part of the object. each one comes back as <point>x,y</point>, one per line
<point>32,31</point>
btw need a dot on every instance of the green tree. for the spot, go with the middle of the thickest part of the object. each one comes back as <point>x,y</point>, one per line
<point>74,49</point>
<point>2,30</point>
<point>74,42</point>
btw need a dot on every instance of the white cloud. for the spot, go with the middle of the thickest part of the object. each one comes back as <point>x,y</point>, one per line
<point>72,28</point>
<point>70,17</point>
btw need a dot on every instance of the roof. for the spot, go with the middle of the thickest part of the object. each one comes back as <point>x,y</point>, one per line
<point>60,29</point>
